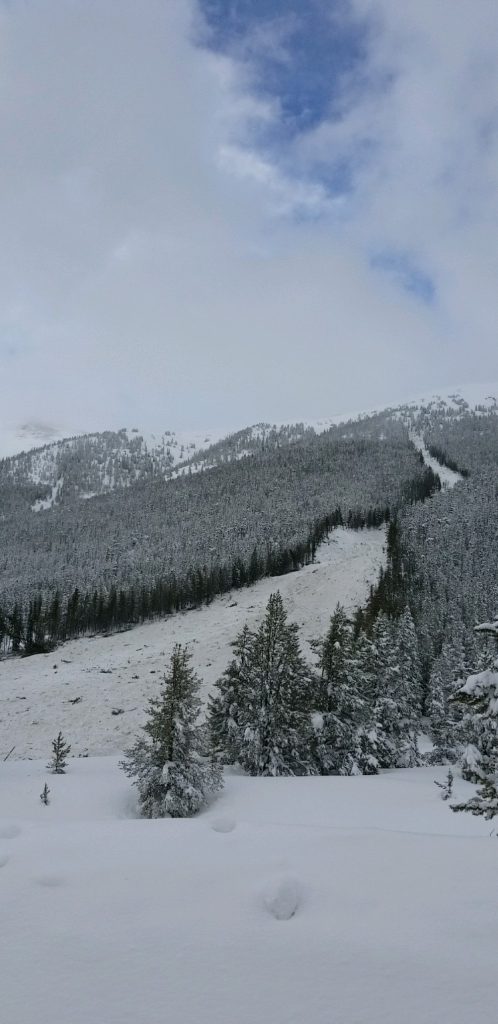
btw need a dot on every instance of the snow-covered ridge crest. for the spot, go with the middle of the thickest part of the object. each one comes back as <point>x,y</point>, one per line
<point>89,465</point>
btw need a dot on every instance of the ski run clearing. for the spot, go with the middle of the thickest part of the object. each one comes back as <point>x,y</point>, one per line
<point>288,901</point>
<point>80,686</point>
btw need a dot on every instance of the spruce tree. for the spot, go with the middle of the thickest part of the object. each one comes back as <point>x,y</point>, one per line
<point>274,706</point>
<point>225,705</point>
<point>166,765</point>
<point>340,706</point>
<point>409,662</point>
<point>260,715</point>
<point>445,716</point>
<point>393,712</point>
<point>60,750</point>
<point>480,695</point>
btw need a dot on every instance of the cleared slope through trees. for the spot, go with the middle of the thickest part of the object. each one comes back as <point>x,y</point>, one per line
<point>120,672</point>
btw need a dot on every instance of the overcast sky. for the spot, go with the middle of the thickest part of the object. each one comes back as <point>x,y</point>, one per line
<point>220,212</point>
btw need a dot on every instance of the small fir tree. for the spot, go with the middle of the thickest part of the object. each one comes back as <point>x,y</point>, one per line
<point>60,750</point>
<point>44,795</point>
<point>167,765</point>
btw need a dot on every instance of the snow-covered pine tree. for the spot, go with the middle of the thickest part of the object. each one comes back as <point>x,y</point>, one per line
<point>409,662</point>
<point>393,713</point>
<point>60,752</point>
<point>368,738</point>
<point>225,705</point>
<point>166,765</point>
<point>444,714</point>
<point>340,707</point>
<point>480,695</point>
<point>275,702</point>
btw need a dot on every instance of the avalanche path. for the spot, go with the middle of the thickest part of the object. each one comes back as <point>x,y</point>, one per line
<point>447,476</point>
<point>95,689</point>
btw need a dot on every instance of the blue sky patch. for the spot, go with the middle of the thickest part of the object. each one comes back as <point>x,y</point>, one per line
<point>300,52</point>
<point>405,271</point>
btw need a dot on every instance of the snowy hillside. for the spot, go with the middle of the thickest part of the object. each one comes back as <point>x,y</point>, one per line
<point>90,464</point>
<point>93,464</point>
<point>292,899</point>
<point>288,900</point>
<point>113,674</point>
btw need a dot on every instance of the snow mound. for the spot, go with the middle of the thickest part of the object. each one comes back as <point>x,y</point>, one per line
<point>282,897</point>
<point>223,825</point>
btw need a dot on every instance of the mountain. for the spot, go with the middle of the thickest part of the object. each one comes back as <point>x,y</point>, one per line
<point>117,527</point>
<point>88,465</point>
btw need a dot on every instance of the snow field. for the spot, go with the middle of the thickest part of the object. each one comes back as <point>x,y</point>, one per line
<point>330,899</point>
<point>112,678</point>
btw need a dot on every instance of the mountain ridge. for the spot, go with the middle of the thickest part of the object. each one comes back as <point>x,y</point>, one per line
<point>114,459</point>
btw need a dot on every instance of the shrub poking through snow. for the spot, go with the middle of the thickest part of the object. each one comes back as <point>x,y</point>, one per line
<point>44,795</point>
<point>166,765</point>
<point>60,751</point>
<point>446,787</point>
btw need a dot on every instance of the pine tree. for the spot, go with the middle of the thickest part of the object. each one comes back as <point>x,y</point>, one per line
<point>340,707</point>
<point>224,706</point>
<point>273,711</point>
<point>60,750</point>
<point>368,739</point>
<point>44,795</point>
<point>166,765</point>
<point>409,662</point>
<point>480,695</point>
<point>260,714</point>
<point>16,628</point>
<point>393,713</point>
<point>444,714</point>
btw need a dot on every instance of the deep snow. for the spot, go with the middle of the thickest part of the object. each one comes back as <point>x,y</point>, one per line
<point>120,672</point>
<point>107,919</point>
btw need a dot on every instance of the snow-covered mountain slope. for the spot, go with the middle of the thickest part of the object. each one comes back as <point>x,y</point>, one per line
<point>120,921</point>
<point>113,674</point>
<point>90,464</point>
<point>94,464</point>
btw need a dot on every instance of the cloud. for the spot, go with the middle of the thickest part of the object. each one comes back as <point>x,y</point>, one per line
<point>182,246</point>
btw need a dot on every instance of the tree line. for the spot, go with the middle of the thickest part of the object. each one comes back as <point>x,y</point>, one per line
<point>356,711</point>
<point>41,624</point>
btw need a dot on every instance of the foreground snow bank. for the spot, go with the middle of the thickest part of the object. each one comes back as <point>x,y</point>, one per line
<point>113,920</point>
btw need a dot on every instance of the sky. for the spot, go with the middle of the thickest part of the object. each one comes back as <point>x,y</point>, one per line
<point>217,212</point>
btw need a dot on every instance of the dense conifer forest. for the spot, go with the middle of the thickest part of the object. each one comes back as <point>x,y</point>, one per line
<point>157,547</point>
<point>260,506</point>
